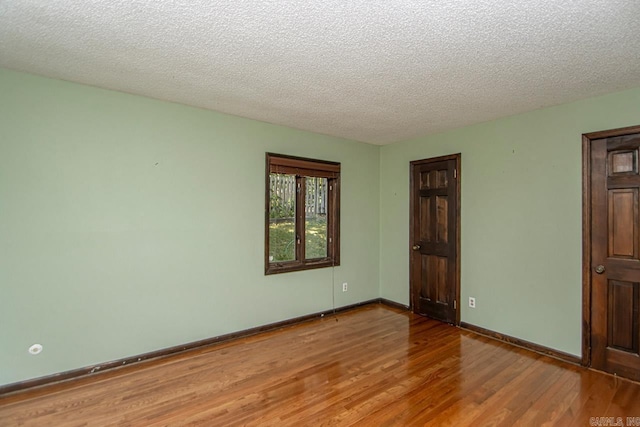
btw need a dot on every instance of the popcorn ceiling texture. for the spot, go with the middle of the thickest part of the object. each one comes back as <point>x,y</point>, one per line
<point>377,72</point>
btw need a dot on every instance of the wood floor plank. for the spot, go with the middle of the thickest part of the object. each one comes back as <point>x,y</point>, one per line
<point>375,365</point>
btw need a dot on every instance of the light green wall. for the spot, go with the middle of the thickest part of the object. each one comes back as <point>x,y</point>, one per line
<point>521,216</point>
<point>129,225</point>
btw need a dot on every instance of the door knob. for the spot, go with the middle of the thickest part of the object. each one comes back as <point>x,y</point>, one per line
<point>416,247</point>
<point>600,269</point>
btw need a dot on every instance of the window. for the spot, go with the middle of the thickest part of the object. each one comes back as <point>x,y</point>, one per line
<point>302,224</point>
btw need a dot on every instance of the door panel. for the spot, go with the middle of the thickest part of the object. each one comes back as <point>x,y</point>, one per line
<point>435,237</point>
<point>623,316</point>
<point>442,205</point>
<point>623,223</point>
<point>615,254</point>
<point>624,161</point>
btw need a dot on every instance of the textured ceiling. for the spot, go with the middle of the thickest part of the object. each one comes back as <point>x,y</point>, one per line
<point>366,70</point>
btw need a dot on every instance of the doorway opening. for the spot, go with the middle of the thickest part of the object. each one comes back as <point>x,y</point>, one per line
<point>435,238</point>
<point>611,251</point>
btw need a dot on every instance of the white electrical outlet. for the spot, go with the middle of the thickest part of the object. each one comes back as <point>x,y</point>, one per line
<point>472,302</point>
<point>344,287</point>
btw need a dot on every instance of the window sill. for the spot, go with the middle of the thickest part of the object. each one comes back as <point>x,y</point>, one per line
<point>285,267</point>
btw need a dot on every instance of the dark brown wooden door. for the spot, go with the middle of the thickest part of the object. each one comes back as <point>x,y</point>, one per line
<point>615,255</point>
<point>435,199</point>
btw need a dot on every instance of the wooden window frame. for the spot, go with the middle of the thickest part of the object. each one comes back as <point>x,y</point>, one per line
<point>303,167</point>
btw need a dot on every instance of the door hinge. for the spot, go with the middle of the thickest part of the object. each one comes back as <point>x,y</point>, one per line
<point>455,305</point>
<point>455,173</point>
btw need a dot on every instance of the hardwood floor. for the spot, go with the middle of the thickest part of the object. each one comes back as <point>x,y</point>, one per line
<point>374,365</point>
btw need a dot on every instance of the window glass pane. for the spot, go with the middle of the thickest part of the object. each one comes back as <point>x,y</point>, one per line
<point>282,217</point>
<point>315,209</point>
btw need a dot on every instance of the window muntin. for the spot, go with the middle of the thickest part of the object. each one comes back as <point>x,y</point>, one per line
<point>302,214</point>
